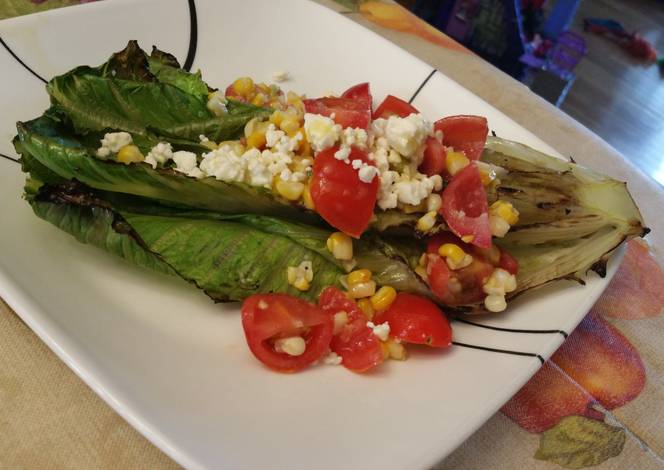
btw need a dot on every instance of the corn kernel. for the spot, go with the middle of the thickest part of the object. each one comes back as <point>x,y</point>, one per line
<point>455,162</point>
<point>276,117</point>
<point>450,250</point>
<point>358,276</point>
<point>396,350</point>
<point>340,320</point>
<point>505,210</point>
<point>434,202</point>
<point>301,284</point>
<point>498,226</point>
<point>366,307</point>
<point>307,199</point>
<point>258,99</point>
<point>426,222</point>
<point>340,245</point>
<point>290,126</point>
<point>487,173</point>
<point>293,346</point>
<point>468,238</point>
<point>305,147</point>
<point>243,86</point>
<point>291,190</point>
<point>454,285</point>
<point>362,289</point>
<point>422,272</point>
<point>495,303</point>
<point>130,154</point>
<point>422,261</point>
<point>500,282</point>
<point>256,140</point>
<point>383,299</point>
<point>385,349</point>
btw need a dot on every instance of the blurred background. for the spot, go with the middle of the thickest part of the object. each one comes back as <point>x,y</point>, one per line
<point>600,61</point>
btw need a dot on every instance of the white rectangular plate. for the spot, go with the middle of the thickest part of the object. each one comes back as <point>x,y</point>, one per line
<point>174,364</point>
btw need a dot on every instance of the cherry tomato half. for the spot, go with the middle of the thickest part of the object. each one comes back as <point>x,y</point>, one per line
<point>465,208</point>
<point>464,132</point>
<point>435,155</point>
<point>359,348</point>
<point>340,197</point>
<point>414,319</point>
<point>360,93</point>
<point>266,317</point>
<point>393,106</point>
<point>347,112</point>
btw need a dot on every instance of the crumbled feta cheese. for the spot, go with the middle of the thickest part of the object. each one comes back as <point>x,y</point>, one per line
<point>342,154</point>
<point>159,154</point>
<point>382,330</point>
<point>407,134</point>
<point>224,164</point>
<point>387,196</point>
<point>280,76</point>
<point>293,346</point>
<point>367,173</point>
<point>186,163</point>
<point>321,131</point>
<point>273,135</point>
<point>332,359</point>
<point>113,142</point>
<point>203,139</point>
<point>355,136</point>
<point>357,164</point>
<point>414,190</point>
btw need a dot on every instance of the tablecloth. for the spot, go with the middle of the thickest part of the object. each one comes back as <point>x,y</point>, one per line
<point>597,401</point>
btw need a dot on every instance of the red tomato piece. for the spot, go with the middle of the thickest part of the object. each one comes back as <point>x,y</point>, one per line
<point>266,317</point>
<point>340,197</point>
<point>347,112</point>
<point>508,262</point>
<point>359,348</point>
<point>393,106</point>
<point>438,276</point>
<point>465,208</point>
<point>466,133</point>
<point>434,158</point>
<point>414,319</point>
<point>360,93</point>
<point>231,93</point>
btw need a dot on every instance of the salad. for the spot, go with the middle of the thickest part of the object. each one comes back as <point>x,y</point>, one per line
<point>347,230</point>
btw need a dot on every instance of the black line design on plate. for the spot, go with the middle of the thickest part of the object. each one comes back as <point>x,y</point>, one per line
<point>511,330</point>
<point>193,36</point>
<point>18,59</point>
<point>2,155</point>
<point>417,92</point>
<point>502,351</point>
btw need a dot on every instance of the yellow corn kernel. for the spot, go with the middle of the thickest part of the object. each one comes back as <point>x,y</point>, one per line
<point>422,261</point>
<point>307,199</point>
<point>468,238</point>
<point>455,162</point>
<point>290,125</point>
<point>505,210</point>
<point>276,117</point>
<point>256,140</point>
<point>487,173</point>
<point>358,276</point>
<point>258,99</point>
<point>383,299</point>
<point>396,350</point>
<point>304,148</point>
<point>422,272</point>
<point>340,245</point>
<point>263,88</point>
<point>301,284</point>
<point>434,202</point>
<point>452,251</point>
<point>366,307</point>
<point>130,154</point>
<point>291,190</point>
<point>243,86</point>
<point>385,349</point>
<point>426,222</point>
<point>340,320</point>
<point>361,290</point>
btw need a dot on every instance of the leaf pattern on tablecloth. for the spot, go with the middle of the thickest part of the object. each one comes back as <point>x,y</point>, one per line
<point>596,369</point>
<point>637,290</point>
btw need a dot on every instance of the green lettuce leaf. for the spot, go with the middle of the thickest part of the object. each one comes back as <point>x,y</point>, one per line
<point>229,257</point>
<point>127,94</point>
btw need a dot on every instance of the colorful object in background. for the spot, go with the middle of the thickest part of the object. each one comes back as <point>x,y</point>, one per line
<point>596,370</point>
<point>633,43</point>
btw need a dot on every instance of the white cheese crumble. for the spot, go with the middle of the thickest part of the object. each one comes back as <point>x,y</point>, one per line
<point>185,162</point>
<point>407,135</point>
<point>280,76</point>
<point>382,330</point>
<point>112,142</point>
<point>217,103</point>
<point>159,154</point>
<point>355,136</point>
<point>367,173</point>
<point>343,153</point>
<point>332,359</point>
<point>321,131</point>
